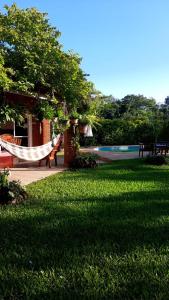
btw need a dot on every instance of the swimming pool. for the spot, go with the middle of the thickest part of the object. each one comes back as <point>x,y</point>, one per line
<point>132,148</point>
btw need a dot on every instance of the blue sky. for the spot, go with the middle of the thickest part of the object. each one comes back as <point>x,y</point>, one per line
<point>124,43</point>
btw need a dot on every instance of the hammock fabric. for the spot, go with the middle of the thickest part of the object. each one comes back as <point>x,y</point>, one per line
<point>30,153</point>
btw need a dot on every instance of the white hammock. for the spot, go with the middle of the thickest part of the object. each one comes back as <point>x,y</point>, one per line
<point>30,153</point>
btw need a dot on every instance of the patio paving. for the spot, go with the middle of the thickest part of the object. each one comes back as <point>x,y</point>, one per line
<point>28,172</point>
<point>29,175</point>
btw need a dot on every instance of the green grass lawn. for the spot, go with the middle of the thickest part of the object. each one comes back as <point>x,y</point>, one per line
<point>90,234</point>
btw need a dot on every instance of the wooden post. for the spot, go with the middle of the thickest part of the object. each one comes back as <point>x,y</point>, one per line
<point>69,147</point>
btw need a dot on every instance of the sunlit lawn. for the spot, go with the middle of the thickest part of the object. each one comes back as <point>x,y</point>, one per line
<point>90,234</point>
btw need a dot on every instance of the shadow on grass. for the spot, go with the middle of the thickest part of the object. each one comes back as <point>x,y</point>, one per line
<point>68,242</point>
<point>92,246</point>
<point>130,173</point>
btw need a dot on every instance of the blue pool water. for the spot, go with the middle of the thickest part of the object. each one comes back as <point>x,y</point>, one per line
<point>119,148</point>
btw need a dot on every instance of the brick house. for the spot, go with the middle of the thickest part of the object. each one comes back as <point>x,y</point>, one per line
<point>32,132</point>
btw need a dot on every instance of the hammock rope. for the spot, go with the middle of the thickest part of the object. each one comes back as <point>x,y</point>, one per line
<point>30,153</point>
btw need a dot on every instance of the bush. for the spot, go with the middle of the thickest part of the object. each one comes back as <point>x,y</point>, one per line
<point>119,132</point>
<point>10,191</point>
<point>156,160</point>
<point>84,161</point>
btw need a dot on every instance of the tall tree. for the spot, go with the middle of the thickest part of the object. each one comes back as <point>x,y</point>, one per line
<point>29,46</point>
<point>135,104</point>
<point>5,73</point>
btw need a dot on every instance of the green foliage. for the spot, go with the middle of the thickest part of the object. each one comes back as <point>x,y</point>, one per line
<point>32,61</point>
<point>93,234</point>
<point>132,120</point>
<point>89,119</point>
<point>61,122</point>
<point>109,108</point>
<point>84,160</point>
<point>5,73</point>
<point>29,46</point>
<point>136,103</point>
<point>16,191</point>
<point>113,132</point>
<point>156,160</point>
<point>74,115</point>
<point>8,113</point>
<point>31,50</point>
<point>72,84</point>
<point>10,191</point>
<point>4,178</point>
<point>167,100</point>
<point>44,110</point>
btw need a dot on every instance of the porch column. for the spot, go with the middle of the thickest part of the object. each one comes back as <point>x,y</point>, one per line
<point>29,130</point>
<point>46,132</point>
<point>69,148</point>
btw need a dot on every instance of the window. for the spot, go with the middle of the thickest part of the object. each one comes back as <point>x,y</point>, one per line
<point>21,131</point>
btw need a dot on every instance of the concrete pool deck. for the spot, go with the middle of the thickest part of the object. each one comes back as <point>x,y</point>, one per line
<point>110,155</point>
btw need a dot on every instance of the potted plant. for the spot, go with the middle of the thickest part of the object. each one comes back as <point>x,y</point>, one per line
<point>83,123</point>
<point>61,121</point>
<point>74,116</point>
<point>86,121</point>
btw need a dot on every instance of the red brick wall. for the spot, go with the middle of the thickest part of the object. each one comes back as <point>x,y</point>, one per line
<point>36,133</point>
<point>41,132</point>
<point>69,149</point>
<point>46,131</point>
<point>19,99</point>
<point>6,160</point>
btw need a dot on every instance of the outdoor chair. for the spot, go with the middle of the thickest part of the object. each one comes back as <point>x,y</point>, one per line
<point>145,148</point>
<point>11,139</point>
<point>161,147</point>
<point>16,141</point>
<point>53,154</point>
<point>7,137</point>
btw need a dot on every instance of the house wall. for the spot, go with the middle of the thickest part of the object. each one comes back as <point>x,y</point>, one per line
<point>36,133</point>
<point>7,128</point>
<point>20,99</point>
<point>41,131</point>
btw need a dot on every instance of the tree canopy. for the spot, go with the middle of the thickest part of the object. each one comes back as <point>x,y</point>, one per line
<point>32,59</point>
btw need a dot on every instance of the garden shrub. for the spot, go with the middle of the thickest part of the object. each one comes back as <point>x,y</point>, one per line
<point>10,191</point>
<point>120,132</point>
<point>156,160</point>
<point>85,160</point>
